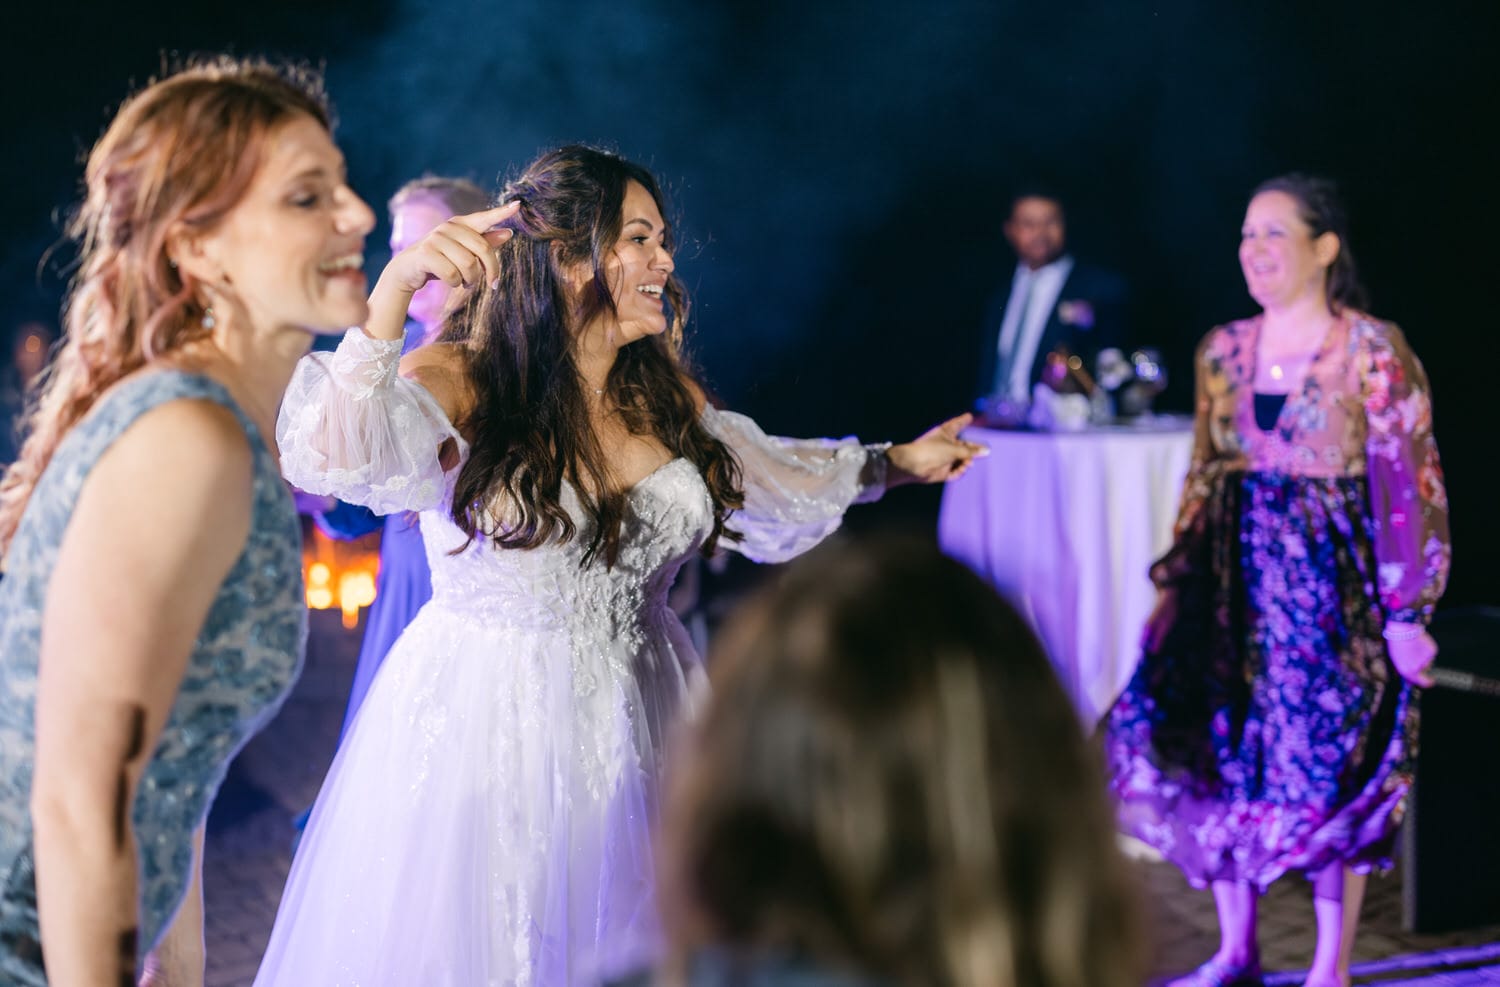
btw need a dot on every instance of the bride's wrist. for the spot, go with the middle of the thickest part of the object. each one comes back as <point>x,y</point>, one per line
<point>389,301</point>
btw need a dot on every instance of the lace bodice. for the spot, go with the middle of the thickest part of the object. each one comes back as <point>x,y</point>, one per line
<point>668,515</point>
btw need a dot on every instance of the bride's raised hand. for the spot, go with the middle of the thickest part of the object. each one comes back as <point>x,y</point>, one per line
<point>460,252</point>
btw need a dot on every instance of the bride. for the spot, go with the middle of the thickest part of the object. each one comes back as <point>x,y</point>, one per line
<point>487,820</point>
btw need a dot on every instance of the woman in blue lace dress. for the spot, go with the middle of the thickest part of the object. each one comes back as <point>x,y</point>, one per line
<point>151,616</point>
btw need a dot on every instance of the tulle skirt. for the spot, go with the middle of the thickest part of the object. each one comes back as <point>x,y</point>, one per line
<point>487,820</point>
<point>405,585</point>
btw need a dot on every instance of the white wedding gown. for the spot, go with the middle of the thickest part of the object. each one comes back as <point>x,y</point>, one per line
<point>488,818</point>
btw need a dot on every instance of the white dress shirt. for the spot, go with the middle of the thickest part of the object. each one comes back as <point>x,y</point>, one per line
<point>1043,285</point>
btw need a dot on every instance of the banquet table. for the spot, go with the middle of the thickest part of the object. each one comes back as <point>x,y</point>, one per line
<point>1066,525</point>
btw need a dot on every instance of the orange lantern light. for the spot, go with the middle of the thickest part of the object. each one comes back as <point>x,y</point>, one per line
<point>340,574</point>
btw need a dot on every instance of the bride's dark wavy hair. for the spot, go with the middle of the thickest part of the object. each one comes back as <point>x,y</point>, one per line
<point>530,430</point>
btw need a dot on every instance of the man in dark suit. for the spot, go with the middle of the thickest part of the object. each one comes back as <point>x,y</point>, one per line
<point>1052,303</point>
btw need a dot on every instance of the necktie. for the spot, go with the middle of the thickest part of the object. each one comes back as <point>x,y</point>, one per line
<point>1010,337</point>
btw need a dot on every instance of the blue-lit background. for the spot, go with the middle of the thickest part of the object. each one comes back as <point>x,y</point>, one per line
<point>840,169</point>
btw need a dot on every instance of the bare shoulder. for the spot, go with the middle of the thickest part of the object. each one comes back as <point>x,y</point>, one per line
<point>194,444</point>
<point>184,464</point>
<point>443,370</point>
<point>173,498</point>
<point>202,434</point>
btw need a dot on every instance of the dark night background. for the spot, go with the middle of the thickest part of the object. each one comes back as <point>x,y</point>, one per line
<point>841,169</point>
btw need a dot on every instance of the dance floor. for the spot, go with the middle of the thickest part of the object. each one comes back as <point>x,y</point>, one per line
<point>250,844</point>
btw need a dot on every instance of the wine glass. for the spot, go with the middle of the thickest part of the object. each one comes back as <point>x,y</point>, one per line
<point>1150,380</point>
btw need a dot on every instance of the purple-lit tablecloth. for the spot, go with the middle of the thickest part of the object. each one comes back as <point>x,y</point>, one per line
<point>1066,524</point>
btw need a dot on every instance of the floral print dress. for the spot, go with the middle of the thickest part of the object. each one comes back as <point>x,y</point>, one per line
<point>1271,731</point>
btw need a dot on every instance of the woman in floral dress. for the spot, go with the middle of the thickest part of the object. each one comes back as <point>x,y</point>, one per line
<point>1272,722</point>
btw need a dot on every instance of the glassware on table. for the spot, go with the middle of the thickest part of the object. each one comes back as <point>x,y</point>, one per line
<point>1149,380</point>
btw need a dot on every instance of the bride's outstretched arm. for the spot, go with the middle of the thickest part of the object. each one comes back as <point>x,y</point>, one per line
<point>797,490</point>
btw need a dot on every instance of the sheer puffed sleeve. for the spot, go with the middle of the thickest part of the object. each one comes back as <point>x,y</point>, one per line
<point>796,490</point>
<point>350,427</point>
<point>1408,500</point>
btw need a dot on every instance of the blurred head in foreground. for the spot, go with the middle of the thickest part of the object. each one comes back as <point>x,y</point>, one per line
<point>890,783</point>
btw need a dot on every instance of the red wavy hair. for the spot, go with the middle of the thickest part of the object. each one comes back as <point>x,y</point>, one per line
<point>183,150</point>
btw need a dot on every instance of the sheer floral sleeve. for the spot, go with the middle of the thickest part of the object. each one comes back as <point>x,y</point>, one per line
<point>1408,500</point>
<point>796,490</point>
<point>1203,469</point>
<point>350,427</point>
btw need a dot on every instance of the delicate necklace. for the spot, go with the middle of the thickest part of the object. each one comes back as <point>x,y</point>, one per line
<point>1278,369</point>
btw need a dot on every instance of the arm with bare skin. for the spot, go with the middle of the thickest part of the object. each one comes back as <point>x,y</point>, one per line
<point>459,252</point>
<point>173,496</point>
<point>179,957</point>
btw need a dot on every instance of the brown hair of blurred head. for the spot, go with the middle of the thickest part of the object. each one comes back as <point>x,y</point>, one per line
<point>890,780</point>
<point>183,150</point>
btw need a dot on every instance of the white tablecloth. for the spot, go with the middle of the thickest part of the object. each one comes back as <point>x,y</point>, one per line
<point>1067,525</point>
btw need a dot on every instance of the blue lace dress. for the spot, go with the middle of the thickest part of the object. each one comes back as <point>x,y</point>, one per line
<point>243,664</point>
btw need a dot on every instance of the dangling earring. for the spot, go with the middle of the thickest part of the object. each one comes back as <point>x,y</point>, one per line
<point>208,317</point>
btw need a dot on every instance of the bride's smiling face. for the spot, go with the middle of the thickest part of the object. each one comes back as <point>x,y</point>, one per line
<point>637,269</point>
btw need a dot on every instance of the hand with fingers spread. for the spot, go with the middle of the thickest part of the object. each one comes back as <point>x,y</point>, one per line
<point>936,456</point>
<point>459,252</point>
